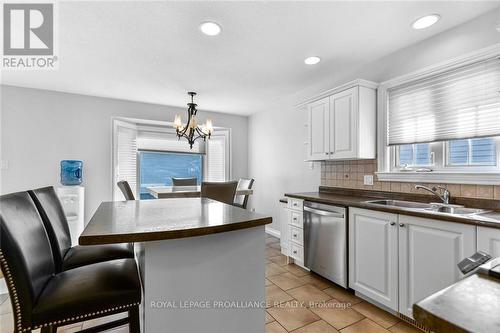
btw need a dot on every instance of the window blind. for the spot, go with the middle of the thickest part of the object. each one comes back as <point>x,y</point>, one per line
<point>126,159</point>
<point>457,104</point>
<point>216,159</point>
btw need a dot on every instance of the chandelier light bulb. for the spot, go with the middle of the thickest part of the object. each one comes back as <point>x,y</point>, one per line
<point>178,122</point>
<point>192,123</point>
<point>209,126</point>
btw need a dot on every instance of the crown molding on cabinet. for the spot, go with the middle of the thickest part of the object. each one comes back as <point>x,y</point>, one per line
<point>345,86</point>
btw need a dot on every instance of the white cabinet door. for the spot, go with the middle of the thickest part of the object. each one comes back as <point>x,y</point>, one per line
<point>318,148</point>
<point>343,124</point>
<point>488,240</point>
<point>373,255</point>
<point>429,251</point>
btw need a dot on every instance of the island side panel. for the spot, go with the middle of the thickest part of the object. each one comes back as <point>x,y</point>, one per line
<point>209,269</point>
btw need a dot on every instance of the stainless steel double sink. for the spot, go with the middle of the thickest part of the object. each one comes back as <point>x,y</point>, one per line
<point>437,208</point>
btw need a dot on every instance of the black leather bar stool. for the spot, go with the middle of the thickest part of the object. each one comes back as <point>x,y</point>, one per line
<point>242,200</point>
<point>220,191</point>
<point>184,181</point>
<point>124,186</point>
<point>65,256</point>
<point>43,298</point>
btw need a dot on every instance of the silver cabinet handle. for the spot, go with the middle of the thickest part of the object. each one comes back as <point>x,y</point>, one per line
<point>324,212</point>
<point>294,251</point>
<point>295,235</point>
<point>393,223</point>
<point>295,219</point>
<point>401,225</point>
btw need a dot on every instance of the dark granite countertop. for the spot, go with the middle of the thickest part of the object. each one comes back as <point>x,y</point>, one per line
<point>151,220</point>
<point>470,305</point>
<point>357,198</point>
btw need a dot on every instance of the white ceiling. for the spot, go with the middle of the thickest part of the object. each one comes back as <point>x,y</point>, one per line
<point>154,52</point>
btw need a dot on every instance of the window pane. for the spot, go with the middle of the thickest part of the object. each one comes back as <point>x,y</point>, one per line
<point>458,152</point>
<point>406,155</point>
<point>422,154</point>
<point>157,169</point>
<point>483,151</point>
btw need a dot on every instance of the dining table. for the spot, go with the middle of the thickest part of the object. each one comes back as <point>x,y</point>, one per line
<point>161,192</point>
<point>201,262</point>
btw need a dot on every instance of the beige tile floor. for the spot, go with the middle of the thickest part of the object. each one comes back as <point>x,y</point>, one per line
<point>299,302</point>
<point>302,302</point>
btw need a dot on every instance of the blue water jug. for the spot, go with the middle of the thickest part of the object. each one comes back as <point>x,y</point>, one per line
<point>71,172</point>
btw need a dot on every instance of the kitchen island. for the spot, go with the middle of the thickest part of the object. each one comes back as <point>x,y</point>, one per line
<point>202,262</point>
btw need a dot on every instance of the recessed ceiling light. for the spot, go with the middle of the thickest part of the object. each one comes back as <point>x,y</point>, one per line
<point>426,21</point>
<point>210,28</point>
<point>312,60</point>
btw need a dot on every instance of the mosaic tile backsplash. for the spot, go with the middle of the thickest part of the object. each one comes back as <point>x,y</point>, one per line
<point>349,174</point>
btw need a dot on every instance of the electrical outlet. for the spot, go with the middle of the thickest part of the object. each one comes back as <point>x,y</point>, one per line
<point>368,180</point>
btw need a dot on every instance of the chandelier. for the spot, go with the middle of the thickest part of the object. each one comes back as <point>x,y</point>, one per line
<point>191,131</point>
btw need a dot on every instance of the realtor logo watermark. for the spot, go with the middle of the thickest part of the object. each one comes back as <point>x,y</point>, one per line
<point>29,41</point>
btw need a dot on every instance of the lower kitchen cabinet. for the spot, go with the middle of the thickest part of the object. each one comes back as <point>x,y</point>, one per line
<point>373,255</point>
<point>397,260</point>
<point>429,251</point>
<point>488,240</point>
<point>292,233</point>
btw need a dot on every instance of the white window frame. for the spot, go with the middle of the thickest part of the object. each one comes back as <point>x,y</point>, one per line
<point>165,127</point>
<point>115,124</point>
<point>470,165</point>
<point>226,132</point>
<point>386,156</point>
<point>396,159</point>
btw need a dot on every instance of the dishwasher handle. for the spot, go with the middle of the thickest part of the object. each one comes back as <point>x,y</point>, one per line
<point>323,212</point>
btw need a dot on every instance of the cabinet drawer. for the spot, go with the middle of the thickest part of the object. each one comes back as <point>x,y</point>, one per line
<point>297,252</point>
<point>295,204</point>
<point>296,235</point>
<point>295,219</point>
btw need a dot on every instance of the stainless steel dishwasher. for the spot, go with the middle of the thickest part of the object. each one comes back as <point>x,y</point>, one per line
<point>325,241</point>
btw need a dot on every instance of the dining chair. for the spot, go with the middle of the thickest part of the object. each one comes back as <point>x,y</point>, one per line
<point>220,191</point>
<point>184,181</point>
<point>44,298</point>
<point>124,186</point>
<point>242,200</point>
<point>55,222</point>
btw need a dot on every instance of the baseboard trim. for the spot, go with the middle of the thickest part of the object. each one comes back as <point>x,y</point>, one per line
<point>273,232</point>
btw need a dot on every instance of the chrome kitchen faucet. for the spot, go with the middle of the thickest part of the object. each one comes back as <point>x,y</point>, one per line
<point>445,197</point>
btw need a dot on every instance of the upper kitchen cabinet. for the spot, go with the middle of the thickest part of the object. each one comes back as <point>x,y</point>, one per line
<point>342,123</point>
<point>318,125</point>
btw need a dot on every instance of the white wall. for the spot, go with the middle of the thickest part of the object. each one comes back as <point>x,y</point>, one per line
<point>276,159</point>
<point>276,150</point>
<point>39,128</point>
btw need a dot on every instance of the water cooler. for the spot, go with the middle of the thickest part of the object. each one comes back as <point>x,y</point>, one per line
<point>72,199</point>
